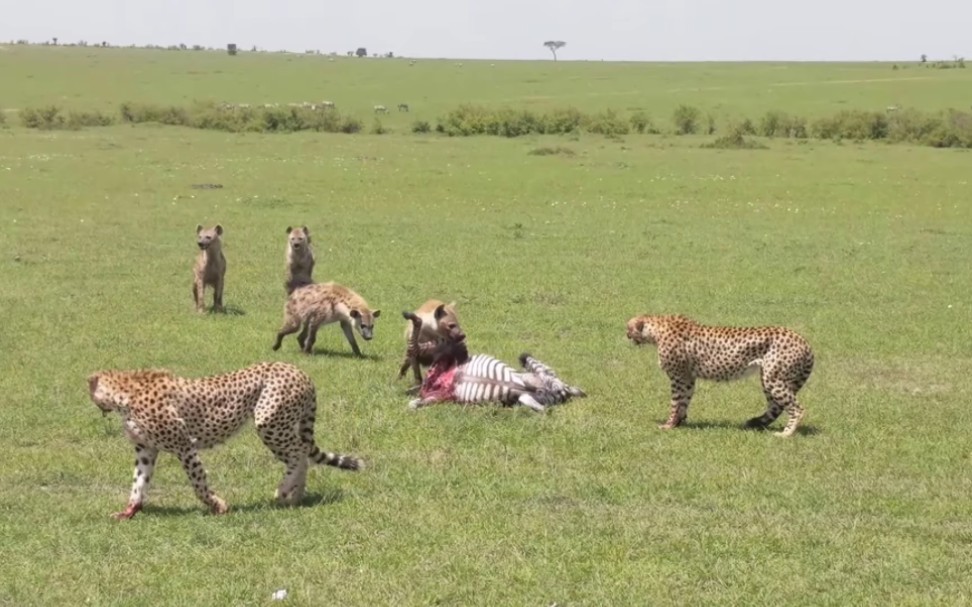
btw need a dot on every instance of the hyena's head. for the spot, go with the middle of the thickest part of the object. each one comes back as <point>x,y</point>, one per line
<point>208,237</point>
<point>364,320</point>
<point>639,331</point>
<point>447,323</point>
<point>298,239</point>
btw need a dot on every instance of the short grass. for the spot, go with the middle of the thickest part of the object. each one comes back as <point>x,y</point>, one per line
<point>862,248</point>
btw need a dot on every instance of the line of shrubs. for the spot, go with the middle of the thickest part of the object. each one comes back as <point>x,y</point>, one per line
<point>946,128</point>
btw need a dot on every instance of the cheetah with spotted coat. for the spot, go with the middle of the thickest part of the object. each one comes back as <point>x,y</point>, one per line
<point>688,351</point>
<point>165,412</point>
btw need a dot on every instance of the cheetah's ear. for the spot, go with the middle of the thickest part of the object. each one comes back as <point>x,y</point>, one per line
<point>219,230</point>
<point>92,383</point>
<point>289,229</point>
<point>355,314</point>
<point>198,228</point>
<point>376,314</point>
<point>640,326</point>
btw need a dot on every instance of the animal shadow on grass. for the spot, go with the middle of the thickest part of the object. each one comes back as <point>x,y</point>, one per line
<point>229,311</point>
<point>808,429</point>
<point>324,498</point>
<point>344,354</point>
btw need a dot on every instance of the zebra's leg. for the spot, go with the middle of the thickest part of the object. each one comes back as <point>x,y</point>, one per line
<point>546,373</point>
<point>418,403</point>
<point>528,401</point>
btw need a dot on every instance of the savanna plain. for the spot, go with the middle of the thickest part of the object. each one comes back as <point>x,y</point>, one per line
<point>862,247</point>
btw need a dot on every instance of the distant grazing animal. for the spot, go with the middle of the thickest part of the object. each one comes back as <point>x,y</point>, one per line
<point>321,304</point>
<point>300,258</point>
<point>402,107</point>
<point>439,322</point>
<point>165,412</point>
<point>380,109</point>
<point>327,104</point>
<point>688,351</point>
<point>457,377</point>
<point>210,267</point>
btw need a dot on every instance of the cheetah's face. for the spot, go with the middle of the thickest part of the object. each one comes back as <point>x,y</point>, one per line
<point>206,237</point>
<point>104,394</point>
<point>299,238</point>
<point>638,332</point>
<point>364,320</point>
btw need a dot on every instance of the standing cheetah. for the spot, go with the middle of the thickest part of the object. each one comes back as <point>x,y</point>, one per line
<point>688,351</point>
<point>165,412</point>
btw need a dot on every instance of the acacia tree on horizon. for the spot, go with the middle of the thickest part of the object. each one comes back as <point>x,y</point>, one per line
<point>554,46</point>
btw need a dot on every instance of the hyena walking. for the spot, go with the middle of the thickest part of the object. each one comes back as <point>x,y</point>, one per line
<point>210,267</point>
<point>321,304</point>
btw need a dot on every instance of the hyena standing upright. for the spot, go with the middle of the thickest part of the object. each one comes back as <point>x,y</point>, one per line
<point>300,258</point>
<point>439,322</point>
<point>210,268</point>
<point>321,304</point>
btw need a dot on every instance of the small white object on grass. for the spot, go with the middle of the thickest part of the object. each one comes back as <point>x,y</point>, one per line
<point>279,595</point>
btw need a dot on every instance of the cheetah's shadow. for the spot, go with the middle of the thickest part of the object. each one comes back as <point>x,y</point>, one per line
<point>324,498</point>
<point>807,430</point>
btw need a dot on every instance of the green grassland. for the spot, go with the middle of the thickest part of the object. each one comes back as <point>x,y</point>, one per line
<point>863,248</point>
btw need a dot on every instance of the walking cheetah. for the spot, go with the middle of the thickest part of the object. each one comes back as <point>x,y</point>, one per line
<point>165,412</point>
<point>688,351</point>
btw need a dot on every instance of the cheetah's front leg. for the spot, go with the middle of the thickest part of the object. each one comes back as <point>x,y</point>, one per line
<point>145,458</point>
<point>197,476</point>
<point>682,391</point>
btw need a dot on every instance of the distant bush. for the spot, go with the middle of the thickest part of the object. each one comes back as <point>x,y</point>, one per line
<point>45,118</point>
<point>686,119</point>
<point>781,124</point>
<point>163,114</point>
<point>421,126</point>
<point>735,140</point>
<point>551,151</point>
<point>377,128</point>
<point>851,124</point>
<point>608,123</point>
<point>76,120</point>
<point>3,118</point>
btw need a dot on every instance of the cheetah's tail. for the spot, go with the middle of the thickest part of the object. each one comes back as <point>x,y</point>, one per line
<point>338,460</point>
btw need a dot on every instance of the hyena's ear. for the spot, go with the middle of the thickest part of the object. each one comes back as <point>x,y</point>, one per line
<point>452,305</point>
<point>440,311</point>
<point>355,314</point>
<point>219,230</point>
<point>306,231</point>
<point>376,314</point>
<point>198,228</point>
<point>289,229</point>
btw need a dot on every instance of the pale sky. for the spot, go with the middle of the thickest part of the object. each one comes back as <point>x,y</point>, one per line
<point>646,30</point>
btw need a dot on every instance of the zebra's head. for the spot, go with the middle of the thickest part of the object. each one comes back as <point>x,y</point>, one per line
<point>364,320</point>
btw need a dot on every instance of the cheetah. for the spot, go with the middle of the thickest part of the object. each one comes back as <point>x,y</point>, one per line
<point>165,412</point>
<point>688,351</point>
<point>210,268</point>
<point>324,303</point>
<point>439,322</point>
<point>300,258</point>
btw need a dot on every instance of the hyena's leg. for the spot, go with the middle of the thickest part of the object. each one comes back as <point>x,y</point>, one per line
<point>312,328</point>
<point>199,294</point>
<point>144,466</point>
<point>218,295</point>
<point>349,334</point>
<point>682,391</point>
<point>302,336</point>
<point>290,325</point>
<point>278,433</point>
<point>197,476</point>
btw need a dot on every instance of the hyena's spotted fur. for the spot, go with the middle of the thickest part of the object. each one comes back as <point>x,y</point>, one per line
<point>324,303</point>
<point>210,267</point>
<point>688,351</point>
<point>438,322</point>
